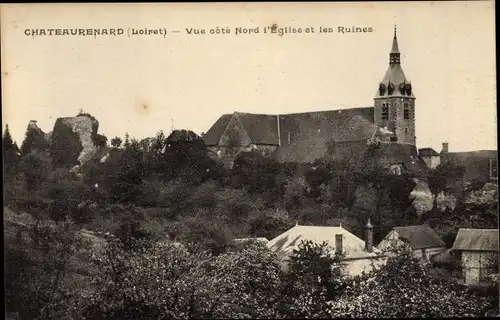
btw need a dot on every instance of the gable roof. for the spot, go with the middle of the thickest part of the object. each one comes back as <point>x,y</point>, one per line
<point>261,128</point>
<point>288,241</point>
<point>212,136</point>
<point>310,132</point>
<point>427,152</point>
<point>420,237</point>
<point>476,240</point>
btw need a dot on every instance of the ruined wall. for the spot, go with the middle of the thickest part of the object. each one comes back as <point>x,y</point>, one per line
<point>73,141</point>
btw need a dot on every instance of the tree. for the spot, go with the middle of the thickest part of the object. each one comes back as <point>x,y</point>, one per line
<point>123,174</point>
<point>168,281</point>
<point>40,276</point>
<point>116,142</point>
<point>445,178</point>
<point>36,169</point>
<point>100,140</point>
<point>405,288</point>
<point>10,154</point>
<point>126,144</point>
<point>314,277</point>
<point>34,140</point>
<point>256,173</point>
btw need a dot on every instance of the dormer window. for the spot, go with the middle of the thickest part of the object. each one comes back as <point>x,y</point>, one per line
<point>385,111</point>
<point>406,111</point>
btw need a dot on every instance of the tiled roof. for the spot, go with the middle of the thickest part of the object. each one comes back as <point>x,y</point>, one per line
<point>310,132</point>
<point>212,136</point>
<point>427,152</point>
<point>476,163</point>
<point>261,128</point>
<point>353,246</point>
<point>476,240</point>
<point>419,237</point>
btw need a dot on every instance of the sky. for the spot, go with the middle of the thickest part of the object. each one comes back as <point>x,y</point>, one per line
<point>143,84</point>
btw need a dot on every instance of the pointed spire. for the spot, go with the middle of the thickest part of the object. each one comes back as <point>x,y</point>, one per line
<point>395,46</point>
<point>394,56</point>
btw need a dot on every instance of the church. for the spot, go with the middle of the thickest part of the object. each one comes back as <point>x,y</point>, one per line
<point>301,138</point>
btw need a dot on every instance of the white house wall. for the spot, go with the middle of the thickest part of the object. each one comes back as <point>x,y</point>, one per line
<point>358,266</point>
<point>478,264</point>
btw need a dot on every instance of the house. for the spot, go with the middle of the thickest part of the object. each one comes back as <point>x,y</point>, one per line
<point>479,165</point>
<point>431,158</point>
<point>477,250</point>
<point>359,255</point>
<point>422,240</point>
<point>302,138</point>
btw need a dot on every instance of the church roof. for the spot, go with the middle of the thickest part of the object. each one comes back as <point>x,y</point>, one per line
<point>310,132</point>
<point>212,136</point>
<point>261,128</point>
<point>395,75</point>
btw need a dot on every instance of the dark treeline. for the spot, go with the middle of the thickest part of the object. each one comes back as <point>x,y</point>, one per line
<point>169,189</point>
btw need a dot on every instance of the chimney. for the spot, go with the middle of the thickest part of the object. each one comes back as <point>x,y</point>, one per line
<point>369,237</point>
<point>445,147</point>
<point>338,243</point>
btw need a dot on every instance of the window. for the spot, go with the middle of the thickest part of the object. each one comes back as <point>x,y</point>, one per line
<point>406,131</point>
<point>385,111</point>
<point>406,110</point>
<point>289,138</point>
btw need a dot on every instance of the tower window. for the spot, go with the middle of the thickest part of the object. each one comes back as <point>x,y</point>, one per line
<point>406,110</point>
<point>406,131</point>
<point>385,111</point>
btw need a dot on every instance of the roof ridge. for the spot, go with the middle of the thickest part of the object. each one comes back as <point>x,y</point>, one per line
<point>331,110</point>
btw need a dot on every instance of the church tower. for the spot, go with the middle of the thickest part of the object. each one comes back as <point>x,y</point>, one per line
<point>394,101</point>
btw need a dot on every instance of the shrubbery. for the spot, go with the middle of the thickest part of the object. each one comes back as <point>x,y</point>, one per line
<point>152,195</point>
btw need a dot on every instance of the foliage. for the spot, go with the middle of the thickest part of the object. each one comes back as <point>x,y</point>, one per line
<point>11,156</point>
<point>405,288</point>
<point>167,281</point>
<point>444,178</point>
<point>256,173</point>
<point>123,175</point>
<point>45,256</point>
<point>99,140</point>
<point>314,277</point>
<point>116,142</point>
<point>34,140</point>
<point>35,168</point>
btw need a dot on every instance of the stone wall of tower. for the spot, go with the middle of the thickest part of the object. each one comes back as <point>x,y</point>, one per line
<point>404,129</point>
